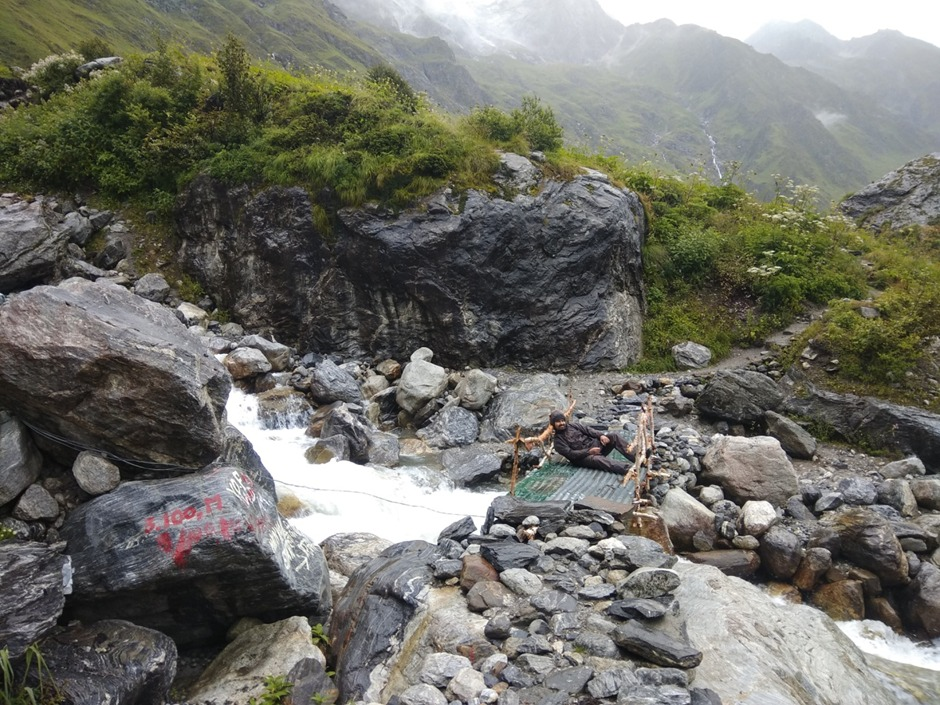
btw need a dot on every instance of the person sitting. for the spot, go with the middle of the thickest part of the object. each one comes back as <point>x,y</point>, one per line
<point>588,447</point>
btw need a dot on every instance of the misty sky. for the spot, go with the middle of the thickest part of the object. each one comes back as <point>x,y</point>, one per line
<point>741,18</point>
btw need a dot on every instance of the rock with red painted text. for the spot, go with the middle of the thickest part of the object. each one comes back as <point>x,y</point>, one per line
<point>191,555</point>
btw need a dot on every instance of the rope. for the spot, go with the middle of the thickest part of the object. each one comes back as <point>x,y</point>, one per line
<point>380,498</point>
<point>169,467</point>
<point>149,465</point>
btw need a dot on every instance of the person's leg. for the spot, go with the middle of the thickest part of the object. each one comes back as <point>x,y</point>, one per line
<point>620,444</point>
<point>601,462</point>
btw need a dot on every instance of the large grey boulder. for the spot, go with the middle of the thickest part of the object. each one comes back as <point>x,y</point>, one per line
<point>30,247</point>
<point>191,555</point>
<point>469,465</point>
<point>479,279</point>
<point>370,619</point>
<point>524,402</point>
<point>691,356</point>
<point>685,517</point>
<point>34,580</point>
<point>421,381</point>
<point>98,365</point>
<point>451,426</point>
<point>329,382</point>
<point>739,396</point>
<point>907,196</point>
<point>20,460</point>
<point>475,389</point>
<point>754,650</point>
<point>904,429</point>
<point>750,469</point>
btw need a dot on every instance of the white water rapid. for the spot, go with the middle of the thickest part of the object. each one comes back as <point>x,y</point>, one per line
<point>398,504</point>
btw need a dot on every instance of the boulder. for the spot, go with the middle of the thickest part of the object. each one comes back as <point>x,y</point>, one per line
<point>750,469</point>
<point>757,517</point>
<point>754,649</point>
<point>341,421</point>
<point>656,646</point>
<point>111,661</point>
<point>370,619</point>
<point>420,382</point>
<point>475,389</point>
<point>329,383</point>
<point>277,354</point>
<point>152,287</point>
<point>867,539</point>
<point>900,469</point>
<point>31,246</point>
<point>451,426</point>
<point>190,555</point>
<point>95,474</point>
<point>780,552</point>
<point>238,673</point>
<point>897,493</point>
<point>100,366</point>
<point>523,403</point>
<point>691,356</point>
<point>921,602</point>
<point>926,491</point>
<point>283,407</point>
<point>739,396</point>
<point>34,580</point>
<point>685,517</point>
<point>345,553</point>
<point>842,600</point>
<point>245,363</point>
<point>470,466</point>
<point>795,440</point>
<point>20,460</point>
<point>36,504</point>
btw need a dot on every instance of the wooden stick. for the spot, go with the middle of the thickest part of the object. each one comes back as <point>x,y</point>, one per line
<point>515,460</point>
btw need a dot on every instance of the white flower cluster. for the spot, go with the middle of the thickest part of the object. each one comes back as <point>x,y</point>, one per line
<point>53,61</point>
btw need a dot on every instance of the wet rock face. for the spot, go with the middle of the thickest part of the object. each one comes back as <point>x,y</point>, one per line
<point>480,280</point>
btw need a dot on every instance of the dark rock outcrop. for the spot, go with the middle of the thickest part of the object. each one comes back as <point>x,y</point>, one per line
<point>550,281</point>
<point>191,555</point>
<point>111,661</point>
<point>374,610</point>
<point>880,424</point>
<point>102,367</point>
<point>907,196</point>
<point>34,579</point>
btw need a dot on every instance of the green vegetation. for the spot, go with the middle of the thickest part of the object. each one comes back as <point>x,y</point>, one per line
<point>276,691</point>
<point>33,685</point>
<point>142,130</point>
<point>721,268</point>
<point>318,635</point>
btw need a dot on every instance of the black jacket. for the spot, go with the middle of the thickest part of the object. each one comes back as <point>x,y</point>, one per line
<point>576,440</point>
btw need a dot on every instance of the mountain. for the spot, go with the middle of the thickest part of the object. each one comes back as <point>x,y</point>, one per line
<point>797,103</point>
<point>896,72</point>
<point>681,97</point>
